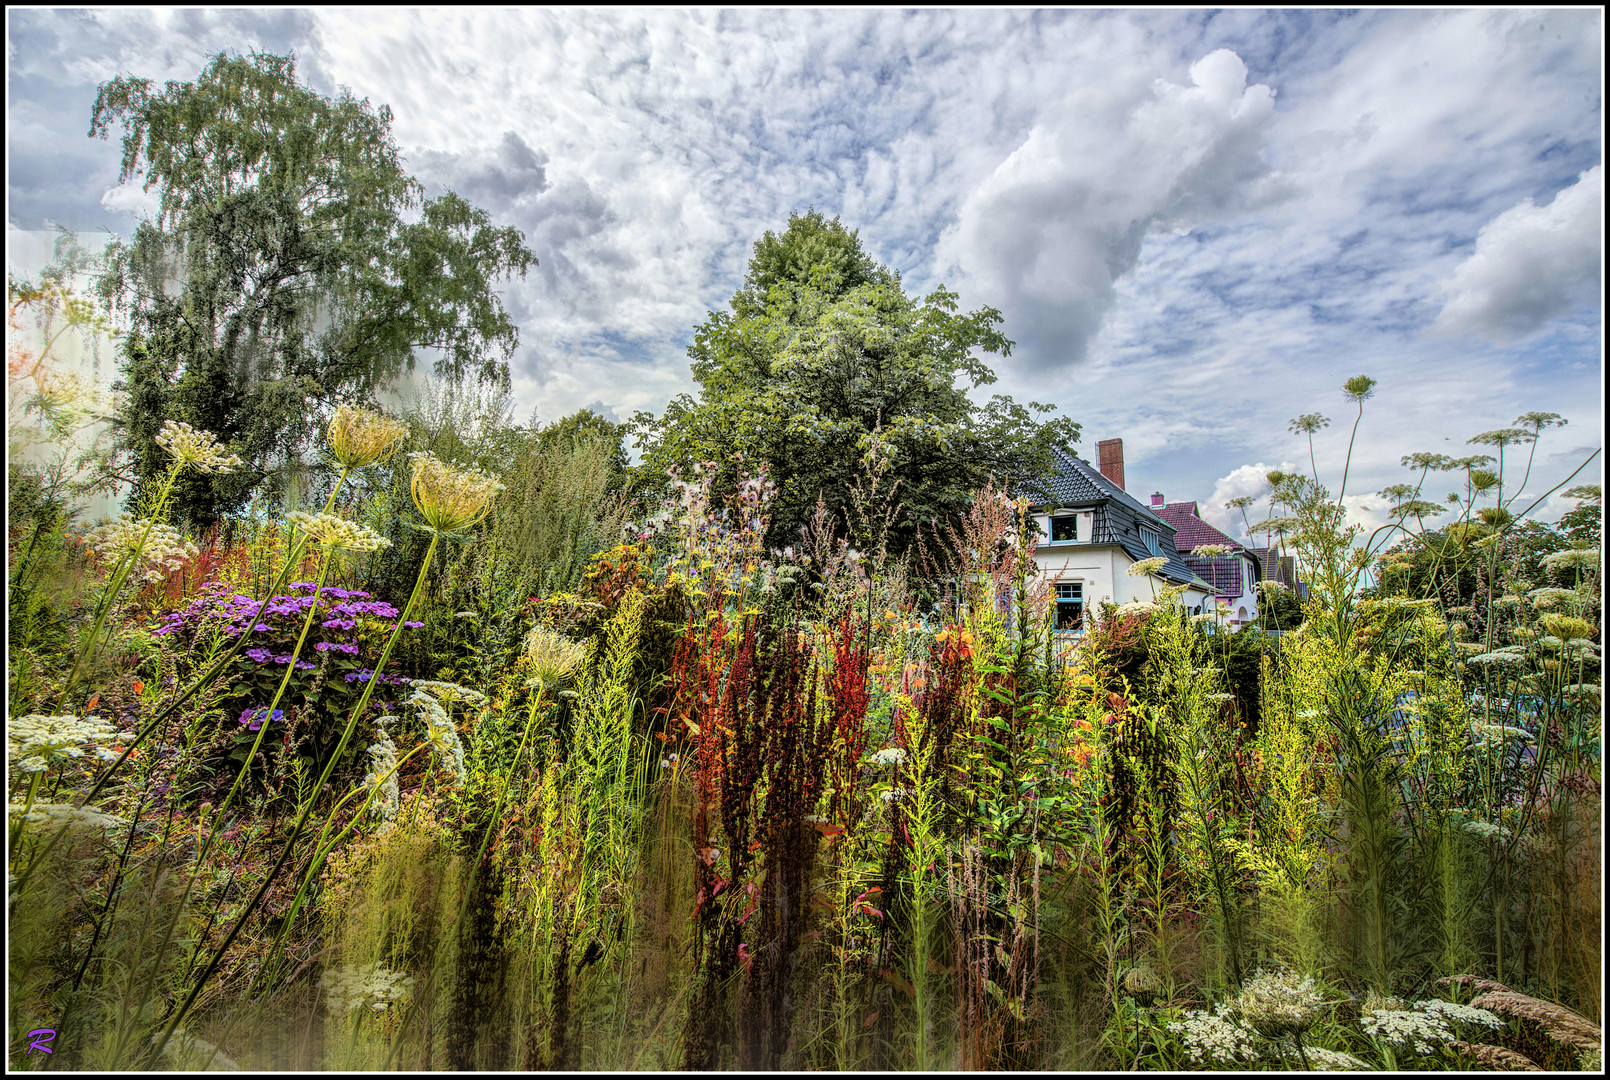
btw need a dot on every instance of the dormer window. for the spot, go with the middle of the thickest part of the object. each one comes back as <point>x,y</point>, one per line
<point>1153,542</point>
<point>1064,528</point>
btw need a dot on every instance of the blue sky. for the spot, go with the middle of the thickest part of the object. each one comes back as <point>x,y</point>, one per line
<point>1197,224</point>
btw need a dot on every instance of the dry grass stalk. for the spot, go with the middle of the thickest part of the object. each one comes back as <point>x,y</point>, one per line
<point>1566,1028</point>
<point>1471,982</point>
<point>1496,1057</point>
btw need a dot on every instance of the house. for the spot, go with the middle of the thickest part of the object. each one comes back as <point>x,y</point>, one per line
<point>1092,532</point>
<point>1234,576</point>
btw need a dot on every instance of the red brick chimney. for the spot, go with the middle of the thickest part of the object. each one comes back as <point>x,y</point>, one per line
<point>1157,500</point>
<point>1110,460</point>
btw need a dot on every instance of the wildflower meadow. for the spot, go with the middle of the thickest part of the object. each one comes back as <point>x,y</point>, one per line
<point>374,788</point>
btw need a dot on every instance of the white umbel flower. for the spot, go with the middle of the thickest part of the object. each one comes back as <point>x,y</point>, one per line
<point>35,742</point>
<point>338,533</point>
<point>163,550</point>
<point>889,755</point>
<point>198,449</point>
<point>1215,1036</point>
<point>371,986</point>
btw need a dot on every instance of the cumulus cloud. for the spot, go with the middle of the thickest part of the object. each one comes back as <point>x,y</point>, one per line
<point>1531,264</point>
<point>1239,259</point>
<point>1238,483</point>
<point>1050,231</point>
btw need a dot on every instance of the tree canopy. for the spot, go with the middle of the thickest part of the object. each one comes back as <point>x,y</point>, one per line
<point>292,263</point>
<point>826,370</point>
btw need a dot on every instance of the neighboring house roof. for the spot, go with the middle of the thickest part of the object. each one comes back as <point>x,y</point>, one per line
<point>1192,533</point>
<point>1077,483</point>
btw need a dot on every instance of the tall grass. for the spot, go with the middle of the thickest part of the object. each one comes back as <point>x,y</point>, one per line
<point>705,805</point>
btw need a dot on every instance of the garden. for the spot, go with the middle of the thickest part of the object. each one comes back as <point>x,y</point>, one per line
<point>415,738</point>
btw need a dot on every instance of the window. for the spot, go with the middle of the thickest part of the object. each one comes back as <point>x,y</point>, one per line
<point>1064,528</point>
<point>1150,539</point>
<point>1070,605</point>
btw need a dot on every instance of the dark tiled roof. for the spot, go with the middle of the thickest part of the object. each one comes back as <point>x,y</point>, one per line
<point>1193,532</point>
<point>1077,483</point>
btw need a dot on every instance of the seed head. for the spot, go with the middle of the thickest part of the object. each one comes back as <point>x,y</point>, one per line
<point>359,437</point>
<point>1359,387</point>
<point>450,499</point>
<point>554,655</point>
<point>1277,1004</point>
<point>1143,983</point>
<point>1147,566</point>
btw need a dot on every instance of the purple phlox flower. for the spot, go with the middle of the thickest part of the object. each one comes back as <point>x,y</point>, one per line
<point>350,648</point>
<point>303,665</point>
<point>253,718</point>
<point>338,624</point>
<point>323,645</point>
<point>413,625</point>
<point>304,585</point>
<point>363,675</point>
<point>286,659</point>
<point>260,627</point>
<point>259,655</point>
<point>339,594</point>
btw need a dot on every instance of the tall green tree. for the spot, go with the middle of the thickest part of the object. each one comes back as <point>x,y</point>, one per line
<point>827,371</point>
<point>292,264</point>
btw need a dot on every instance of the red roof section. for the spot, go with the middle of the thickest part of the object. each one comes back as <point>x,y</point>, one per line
<point>1193,531</point>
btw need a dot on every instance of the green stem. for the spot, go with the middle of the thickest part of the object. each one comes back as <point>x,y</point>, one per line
<point>1349,463</point>
<point>119,576</point>
<point>307,808</point>
<point>205,679</point>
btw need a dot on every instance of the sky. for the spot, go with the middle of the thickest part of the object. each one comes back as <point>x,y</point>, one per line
<point>1196,224</point>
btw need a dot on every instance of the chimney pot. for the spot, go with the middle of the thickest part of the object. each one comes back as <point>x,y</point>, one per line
<point>1157,499</point>
<point>1110,455</point>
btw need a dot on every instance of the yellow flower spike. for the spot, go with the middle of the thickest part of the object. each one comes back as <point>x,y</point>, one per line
<point>450,499</point>
<point>359,437</point>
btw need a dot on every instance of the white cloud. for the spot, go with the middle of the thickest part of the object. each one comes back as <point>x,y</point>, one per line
<point>1238,483</point>
<point>1048,233</point>
<point>1085,169</point>
<point>1531,264</point>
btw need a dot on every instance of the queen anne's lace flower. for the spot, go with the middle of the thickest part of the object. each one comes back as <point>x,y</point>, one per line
<point>382,763</point>
<point>439,730</point>
<point>35,742</point>
<point>164,550</point>
<point>1487,830</point>
<point>59,814</point>
<point>1483,734</point>
<point>1422,1030</point>
<point>1136,607</point>
<point>1551,596</point>
<point>450,499</point>
<point>552,654</point>
<point>1573,559</point>
<point>359,437</point>
<point>1147,566</point>
<point>1332,1060</point>
<point>1459,1014</point>
<point>1277,1004</point>
<point>348,988</point>
<point>1216,1036</point>
<point>337,532</point>
<point>198,449</point>
<point>1210,551</point>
